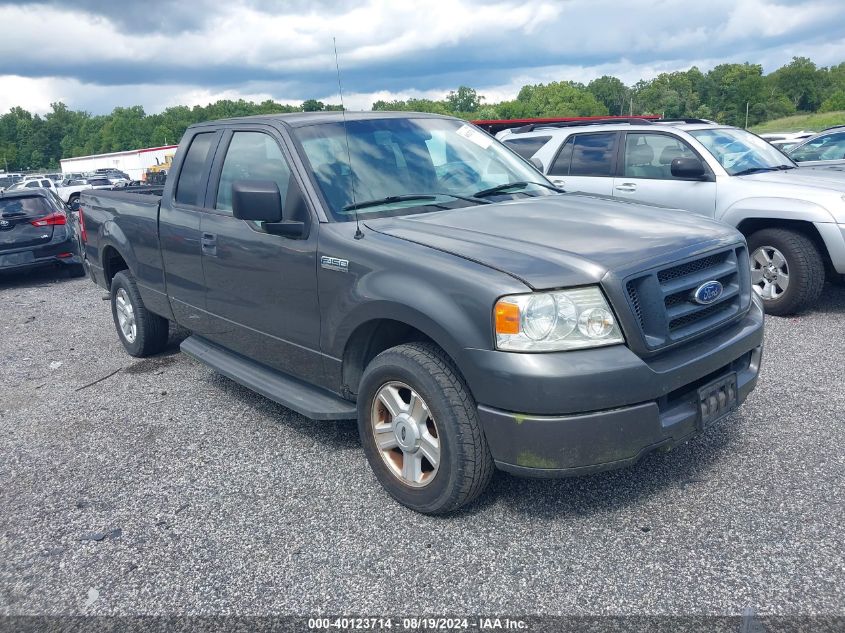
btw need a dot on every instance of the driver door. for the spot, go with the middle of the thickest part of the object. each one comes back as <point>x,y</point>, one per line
<point>261,289</point>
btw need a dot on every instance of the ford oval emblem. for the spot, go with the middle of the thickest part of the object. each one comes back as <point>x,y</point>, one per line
<point>708,292</point>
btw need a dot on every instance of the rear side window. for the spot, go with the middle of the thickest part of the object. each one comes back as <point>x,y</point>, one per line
<point>191,179</point>
<point>527,147</point>
<point>31,206</point>
<point>593,155</point>
<point>560,166</point>
<point>830,147</point>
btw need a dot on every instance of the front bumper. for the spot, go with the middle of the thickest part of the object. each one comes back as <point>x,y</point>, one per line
<point>651,404</point>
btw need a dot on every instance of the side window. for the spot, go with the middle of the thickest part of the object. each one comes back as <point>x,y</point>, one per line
<point>527,147</point>
<point>191,180</point>
<point>593,154</point>
<point>252,156</point>
<point>650,155</point>
<point>32,184</point>
<point>560,167</point>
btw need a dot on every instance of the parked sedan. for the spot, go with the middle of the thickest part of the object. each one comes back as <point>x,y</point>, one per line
<point>822,150</point>
<point>34,232</point>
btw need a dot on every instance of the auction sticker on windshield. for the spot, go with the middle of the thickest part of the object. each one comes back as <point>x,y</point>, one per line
<point>471,134</point>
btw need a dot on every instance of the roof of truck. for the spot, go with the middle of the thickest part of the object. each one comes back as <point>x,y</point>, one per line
<point>300,119</point>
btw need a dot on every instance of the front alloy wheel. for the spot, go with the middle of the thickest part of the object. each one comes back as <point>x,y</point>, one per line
<point>769,272</point>
<point>405,434</point>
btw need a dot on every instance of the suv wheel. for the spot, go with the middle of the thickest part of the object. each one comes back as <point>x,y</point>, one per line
<point>787,270</point>
<point>420,431</point>
<point>141,332</point>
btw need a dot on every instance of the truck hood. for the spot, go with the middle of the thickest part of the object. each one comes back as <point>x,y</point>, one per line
<point>562,240</point>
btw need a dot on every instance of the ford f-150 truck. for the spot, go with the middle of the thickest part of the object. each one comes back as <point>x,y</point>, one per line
<point>410,271</point>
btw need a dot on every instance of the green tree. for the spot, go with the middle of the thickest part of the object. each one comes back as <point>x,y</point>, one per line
<point>464,99</point>
<point>611,92</point>
<point>801,82</point>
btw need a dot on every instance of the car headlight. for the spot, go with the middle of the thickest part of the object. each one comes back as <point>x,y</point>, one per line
<point>555,321</point>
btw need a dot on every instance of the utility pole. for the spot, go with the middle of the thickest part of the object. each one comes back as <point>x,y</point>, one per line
<point>632,107</point>
<point>746,115</point>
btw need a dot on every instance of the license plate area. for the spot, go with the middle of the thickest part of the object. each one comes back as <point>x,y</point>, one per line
<point>716,400</point>
<point>15,259</point>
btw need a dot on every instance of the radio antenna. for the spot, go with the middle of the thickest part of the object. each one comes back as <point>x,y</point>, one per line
<point>358,233</point>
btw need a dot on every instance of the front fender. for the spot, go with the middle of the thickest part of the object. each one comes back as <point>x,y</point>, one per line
<point>775,208</point>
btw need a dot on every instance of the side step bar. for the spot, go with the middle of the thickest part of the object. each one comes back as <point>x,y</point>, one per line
<point>288,391</point>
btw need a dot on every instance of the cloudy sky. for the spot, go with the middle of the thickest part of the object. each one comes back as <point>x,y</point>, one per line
<point>95,55</point>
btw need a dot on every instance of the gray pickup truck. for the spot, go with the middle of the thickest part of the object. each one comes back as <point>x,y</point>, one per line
<point>410,271</point>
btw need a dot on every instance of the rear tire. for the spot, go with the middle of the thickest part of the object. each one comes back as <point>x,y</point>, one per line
<point>141,332</point>
<point>787,270</point>
<point>446,428</point>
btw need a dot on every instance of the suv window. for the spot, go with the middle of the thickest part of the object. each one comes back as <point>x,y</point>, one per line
<point>191,175</point>
<point>252,156</point>
<point>586,155</point>
<point>828,147</point>
<point>649,155</point>
<point>527,147</point>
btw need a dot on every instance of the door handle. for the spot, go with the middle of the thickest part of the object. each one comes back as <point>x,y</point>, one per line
<point>627,187</point>
<point>559,182</point>
<point>208,242</point>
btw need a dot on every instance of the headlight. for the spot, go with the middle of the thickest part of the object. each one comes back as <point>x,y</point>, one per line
<point>555,321</point>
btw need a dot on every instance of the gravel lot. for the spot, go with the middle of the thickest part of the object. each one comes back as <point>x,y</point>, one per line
<point>166,488</point>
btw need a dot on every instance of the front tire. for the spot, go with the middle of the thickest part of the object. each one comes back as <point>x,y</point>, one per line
<point>787,270</point>
<point>419,427</point>
<point>141,332</point>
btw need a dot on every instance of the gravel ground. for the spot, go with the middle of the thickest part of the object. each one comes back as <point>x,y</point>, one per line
<point>166,488</point>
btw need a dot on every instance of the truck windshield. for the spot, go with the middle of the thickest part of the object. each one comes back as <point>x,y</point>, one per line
<point>406,165</point>
<point>741,152</point>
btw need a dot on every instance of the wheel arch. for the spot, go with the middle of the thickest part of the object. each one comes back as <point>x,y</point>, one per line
<point>808,229</point>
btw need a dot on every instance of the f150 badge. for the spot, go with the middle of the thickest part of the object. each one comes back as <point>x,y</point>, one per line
<point>334,263</point>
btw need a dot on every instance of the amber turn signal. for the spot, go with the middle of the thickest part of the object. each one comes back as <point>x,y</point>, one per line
<point>507,317</point>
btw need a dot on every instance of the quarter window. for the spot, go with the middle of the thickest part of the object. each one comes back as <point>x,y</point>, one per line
<point>527,147</point>
<point>188,188</point>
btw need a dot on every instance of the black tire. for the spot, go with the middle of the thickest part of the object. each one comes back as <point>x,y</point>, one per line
<point>151,329</point>
<point>805,266</point>
<point>465,465</point>
<point>74,270</point>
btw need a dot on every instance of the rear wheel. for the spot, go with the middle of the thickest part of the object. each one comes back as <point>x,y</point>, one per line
<point>787,270</point>
<point>141,332</point>
<point>420,431</point>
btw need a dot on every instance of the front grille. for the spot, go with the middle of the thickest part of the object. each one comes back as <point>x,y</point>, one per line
<point>663,303</point>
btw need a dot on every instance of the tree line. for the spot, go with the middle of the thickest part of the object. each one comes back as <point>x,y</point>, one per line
<point>729,93</point>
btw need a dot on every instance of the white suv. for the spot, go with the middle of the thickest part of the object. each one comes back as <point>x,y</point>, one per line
<point>793,219</point>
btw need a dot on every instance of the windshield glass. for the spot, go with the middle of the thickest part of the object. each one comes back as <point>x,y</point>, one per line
<point>741,152</point>
<point>441,161</point>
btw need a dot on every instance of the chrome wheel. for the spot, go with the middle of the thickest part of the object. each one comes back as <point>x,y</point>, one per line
<point>125,315</point>
<point>769,272</point>
<point>405,434</point>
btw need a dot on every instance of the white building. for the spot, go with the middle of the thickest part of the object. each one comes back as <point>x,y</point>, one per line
<point>134,162</point>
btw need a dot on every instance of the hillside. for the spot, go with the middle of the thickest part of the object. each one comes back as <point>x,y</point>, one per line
<point>814,122</point>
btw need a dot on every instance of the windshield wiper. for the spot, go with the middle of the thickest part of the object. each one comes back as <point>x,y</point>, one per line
<point>757,170</point>
<point>520,184</point>
<point>409,197</point>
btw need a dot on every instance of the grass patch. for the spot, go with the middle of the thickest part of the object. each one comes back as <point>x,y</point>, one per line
<point>814,122</point>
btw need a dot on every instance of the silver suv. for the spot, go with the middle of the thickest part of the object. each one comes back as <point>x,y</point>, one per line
<point>793,219</point>
<point>822,150</point>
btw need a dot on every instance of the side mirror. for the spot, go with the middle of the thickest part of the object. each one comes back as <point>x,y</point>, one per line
<point>537,163</point>
<point>690,168</point>
<point>260,201</point>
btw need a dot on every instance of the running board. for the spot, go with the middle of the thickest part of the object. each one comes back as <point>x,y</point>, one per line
<point>310,401</point>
